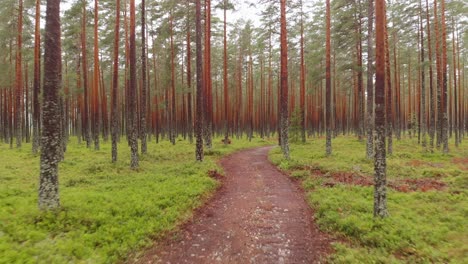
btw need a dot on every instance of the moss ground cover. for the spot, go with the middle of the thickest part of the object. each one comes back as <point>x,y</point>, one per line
<point>425,226</point>
<point>108,210</point>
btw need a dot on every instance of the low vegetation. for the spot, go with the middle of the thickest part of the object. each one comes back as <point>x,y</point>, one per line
<point>108,210</point>
<point>426,224</point>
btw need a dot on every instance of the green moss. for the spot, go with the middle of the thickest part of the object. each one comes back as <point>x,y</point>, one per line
<point>108,210</point>
<point>423,227</point>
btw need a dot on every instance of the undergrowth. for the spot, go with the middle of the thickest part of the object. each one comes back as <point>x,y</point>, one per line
<point>108,210</point>
<point>423,227</point>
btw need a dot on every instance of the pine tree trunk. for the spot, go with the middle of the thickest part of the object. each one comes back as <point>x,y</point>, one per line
<point>208,118</point>
<point>370,82</point>
<point>328,146</point>
<point>199,100</point>
<point>225,80</point>
<point>444,81</point>
<point>95,102</point>
<point>431,83</point>
<point>284,83</point>
<point>37,78</point>
<point>173,118</point>
<point>50,154</point>
<point>19,76</point>
<point>360,94</point>
<point>439,77</point>
<point>189,84</point>
<point>115,85</point>
<point>86,123</point>
<point>389,117</point>
<point>302,80</point>
<point>380,165</point>
<point>144,85</point>
<point>423,83</point>
<point>133,116</point>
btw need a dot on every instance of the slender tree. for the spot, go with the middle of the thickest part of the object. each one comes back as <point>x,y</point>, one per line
<point>115,85</point>
<point>133,138</point>
<point>189,78</point>
<point>388,88</point>
<point>172,114</point>
<point>50,154</point>
<point>380,163</point>
<point>284,82</point>
<point>37,78</point>
<point>432,106</point>
<point>143,97</point>
<point>19,76</point>
<point>95,101</point>
<point>370,81</point>
<point>208,121</point>
<point>328,80</point>
<point>85,123</point>
<point>423,81</point>
<point>302,79</point>
<point>199,99</point>
<point>455,86</point>
<point>444,94</point>
<point>225,75</point>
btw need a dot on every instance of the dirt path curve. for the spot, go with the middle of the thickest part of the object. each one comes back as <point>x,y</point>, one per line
<point>258,216</point>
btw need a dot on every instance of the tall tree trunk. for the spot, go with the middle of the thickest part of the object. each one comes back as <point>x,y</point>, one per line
<point>26,102</point>
<point>455,95</point>
<point>189,81</point>
<point>133,138</point>
<point>115,85</point>
<point>86,123</point>
<point>302,80</point>
<point>461,95</point>
<point>19,76</point>
<point>328,146</point>
<point>380,164</point>
<point>37,78</point>
<point>144,85</point>
<point>388,78</point>
<point>284,82</point>
<point>370,82</point>
<point>431,83</point>
<point>50,154</point>
<point>199,114</point>
<point>444,81</point>
<point>439,76</point>
<point>360,97</point>
<point>95,102</point>
<point>208,121</point>
<point>423,82</point>
<point>173,118</point>
<point>225,78</point>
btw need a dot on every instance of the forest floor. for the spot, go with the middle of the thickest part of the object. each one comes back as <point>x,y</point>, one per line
<point>258,216</point>
<point>111,213</point>
<point>427,200</point>
<point>108,211</point>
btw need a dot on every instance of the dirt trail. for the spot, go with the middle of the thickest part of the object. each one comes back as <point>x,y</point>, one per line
<point>258,216</point>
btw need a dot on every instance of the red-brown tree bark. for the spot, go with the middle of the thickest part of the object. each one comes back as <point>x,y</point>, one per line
<point>50,154</point>
<point>380,165</point>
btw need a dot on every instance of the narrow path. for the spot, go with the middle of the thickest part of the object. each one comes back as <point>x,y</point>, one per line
<point>259,216</point>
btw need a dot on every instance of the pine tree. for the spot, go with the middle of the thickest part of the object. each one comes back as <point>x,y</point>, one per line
<point>50,154</point>
<point>380,163</point>
<point>133,137</point>
<point>328,81</point>
<point>115,85</point>
<point>199,98</point>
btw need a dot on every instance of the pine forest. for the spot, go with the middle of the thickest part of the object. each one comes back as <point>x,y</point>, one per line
<point>233,131</point>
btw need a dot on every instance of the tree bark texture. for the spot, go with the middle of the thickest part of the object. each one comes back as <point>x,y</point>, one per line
<point>50,154</point>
